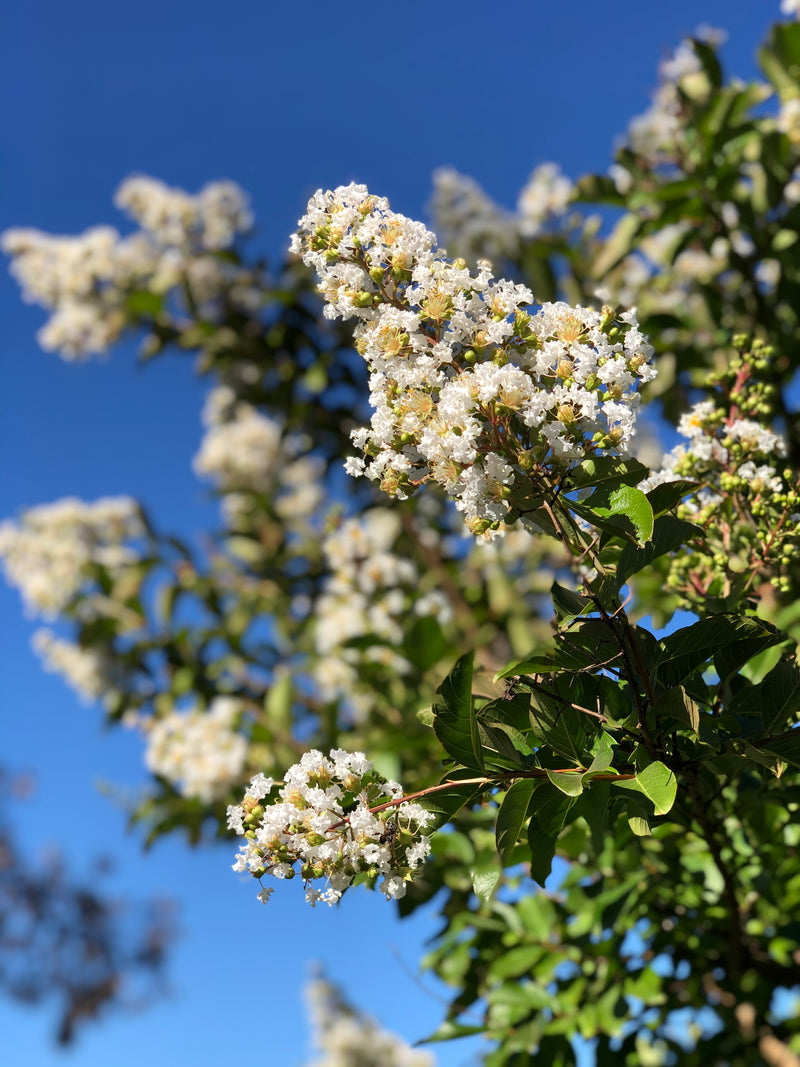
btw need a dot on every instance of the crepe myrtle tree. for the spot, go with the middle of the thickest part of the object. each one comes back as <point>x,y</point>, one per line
<point>513,665</point>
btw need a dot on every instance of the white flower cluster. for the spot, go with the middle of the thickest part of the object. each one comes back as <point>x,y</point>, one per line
<point>790,7</point>
<point>545,196</point>
<point>347,1038</point>
<point>86,670</point>
<point>469,389</point>
<point>472,225</point>
<point>53,549</point>
<point>739,447</point>
<point>245,451</point>
<point>211,219</point>
<point>468,221</point>
<point>332,819</point>
<point>198,749</point>
<point>655,135</point>
<point>371,592</point>
<point>85,281</point>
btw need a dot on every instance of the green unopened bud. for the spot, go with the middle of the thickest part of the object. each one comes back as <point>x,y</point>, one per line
<point>608,315</point>
<point>480,526</point>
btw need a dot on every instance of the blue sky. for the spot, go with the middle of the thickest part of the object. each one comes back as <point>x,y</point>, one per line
<point>283,98</point>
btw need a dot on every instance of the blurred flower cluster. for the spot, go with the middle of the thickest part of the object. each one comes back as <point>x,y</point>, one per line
<point>95,283</point>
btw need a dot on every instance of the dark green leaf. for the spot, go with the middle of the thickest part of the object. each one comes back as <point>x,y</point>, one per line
<point>527,665</point>
<point>676,706</point>
<point>605,470</point>
<point>738,637</point>
<point>424,644</point>
<point>550,808</point>
<point>513,814</point>
<point>669,494</point>
<point>543,848</point>
<point>454,716</point>
<point>669,534</point>
<point>447,802</point>
<point>569,604</point>
<point>786,746</point>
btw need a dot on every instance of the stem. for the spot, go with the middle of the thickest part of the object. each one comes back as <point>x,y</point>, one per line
<point>500,779</point>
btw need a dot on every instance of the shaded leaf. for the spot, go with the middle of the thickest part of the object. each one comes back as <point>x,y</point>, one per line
<point>513,814</point>
<point>444,804</point>
<point>454,716</point>
<point>543,848</point>
<point>687,649</point>
<point>669,534</point>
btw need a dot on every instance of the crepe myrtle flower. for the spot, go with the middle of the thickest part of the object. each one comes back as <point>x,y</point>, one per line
<point>469,388</point>
<point>334,820</point>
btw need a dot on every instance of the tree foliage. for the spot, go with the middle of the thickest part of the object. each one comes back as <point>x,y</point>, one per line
<point>616,788</point>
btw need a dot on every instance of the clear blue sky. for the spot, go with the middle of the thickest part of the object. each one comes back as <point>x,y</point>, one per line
<point>283,98</point>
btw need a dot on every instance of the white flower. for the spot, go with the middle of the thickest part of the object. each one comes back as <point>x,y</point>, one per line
<point>88,671</point>
<point>323,820</point>
<point>200,750</point>
<point>85,281</point>
<point>467,385</point>
<point>345,1037</point>
<point>50,552</point>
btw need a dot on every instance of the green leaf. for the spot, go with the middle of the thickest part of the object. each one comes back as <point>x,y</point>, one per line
<point>527,665</point>
<point>568,782</point>
<point>454,721</point>
<point>657,783</point>
<point>779,696</point>
<point>551,807</point>
<point>780,58</point>
<point>278,701</point>
<point>484,883</point>
<point>513,814</point>
<point>424,644</point>
<point>562,728</point>
<point>543,848</point>
<point>604,470</point>
<point>514,962</point>
<point>676,706</point>
<point>598,189</point>
<point>144,302</point>
<point>739,637</point>
<point>668,495</point>
<point>786,746</point>
<point>669,534</point>
<point>622,511</point>
<point>568,604</point>
<point>632,504</point>
<point>426,716</point>
<point>444,804</point>
<point>618,245</point>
